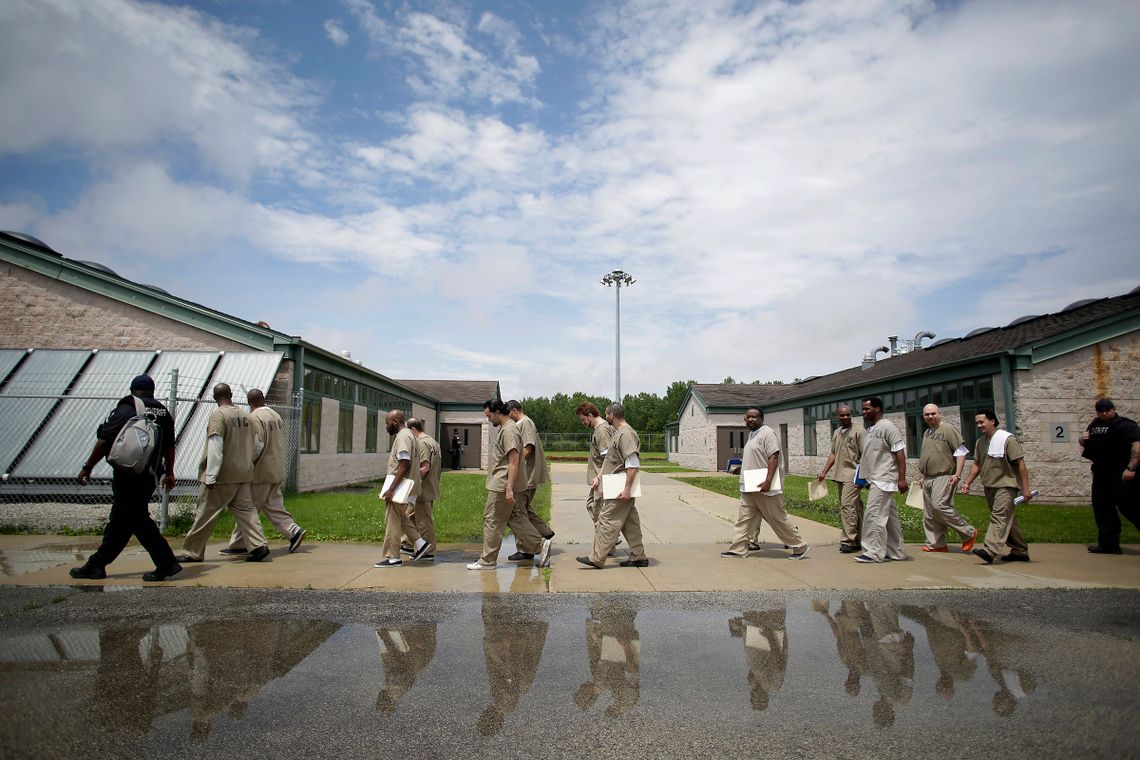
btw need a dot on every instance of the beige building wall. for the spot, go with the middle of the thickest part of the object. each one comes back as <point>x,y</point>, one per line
<point>328,469</point>
<point>697,435</point>
<point>427,414</point>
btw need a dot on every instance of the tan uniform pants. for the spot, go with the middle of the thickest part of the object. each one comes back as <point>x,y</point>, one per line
<point>397,523</point>
<point>755,507</point>
<point>882,531</point>
<point>211,502</point>
<point>425,522</point>
<point>593,504</point>
<point>269,500</point>
<point>523,501</point>
<point>850,512</point>
<point>1003,536</point>
<point>617,516</point>
<point>498,514</point>
<point>939,512</point>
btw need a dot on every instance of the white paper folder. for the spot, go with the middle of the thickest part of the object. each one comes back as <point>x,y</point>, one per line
<point>914,498</point>
<point>753,479</point>
<point>403,494</point>
<point>613,484</point>
<point>817,490</point>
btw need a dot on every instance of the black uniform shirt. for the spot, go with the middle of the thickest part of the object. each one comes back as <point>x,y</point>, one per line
<point>1110,444</point>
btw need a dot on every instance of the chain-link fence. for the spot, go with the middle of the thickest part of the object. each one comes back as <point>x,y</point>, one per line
<point>48,436</point>
<point>553,442</point>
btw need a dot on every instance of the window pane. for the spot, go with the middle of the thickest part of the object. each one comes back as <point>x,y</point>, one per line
<point>986,389</point>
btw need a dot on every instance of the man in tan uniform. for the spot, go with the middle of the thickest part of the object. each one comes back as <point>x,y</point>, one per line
<point>941,462</point>
<point>601,435</point>
<point>430,465</point>
<point>403,463</point>
<point>504,478</point>
<point>846,450</point>
<point>762,451</point>
<point>999,462</point>
<point>225,472</point>
<point>268,475</point>
<point>623,457</point>
<point>534,461</point>
<point>883,466</point>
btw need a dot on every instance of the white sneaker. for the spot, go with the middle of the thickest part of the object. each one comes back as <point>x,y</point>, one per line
<point>388,563</point>
<point>480,566</point>
<point>542,559</point>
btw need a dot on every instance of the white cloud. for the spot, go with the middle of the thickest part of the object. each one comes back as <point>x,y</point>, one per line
<point>335,32</point>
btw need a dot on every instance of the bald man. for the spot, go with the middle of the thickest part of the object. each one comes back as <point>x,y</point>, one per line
<point>225,472</point>
<point>403,463</point>
<point>940,464</point>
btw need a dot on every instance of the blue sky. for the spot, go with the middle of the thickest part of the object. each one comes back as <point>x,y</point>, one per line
<point>438,187</point>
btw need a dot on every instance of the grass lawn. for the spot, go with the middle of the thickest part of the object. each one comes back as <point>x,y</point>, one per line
<point>1040,523</point>
<point>357,514</point>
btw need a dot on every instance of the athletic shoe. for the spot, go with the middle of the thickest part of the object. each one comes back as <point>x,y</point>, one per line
<point>754,547</point>
<point>847,549</point>
<point>520,557</point>
<point>421,551</point>
<point>865,558</point>
<point>258,554</point>
<point>162,573</point>
<point>732,555</point>
<point>187,558</point>
<point>616,543</point>
<point>985,555</point>
<point>800,554</point>
<point>941,549</point>
<point>968,544</point>
<point>233,552</point>
<point>643,562</point>
<point>479,566</point>
<point>408,550</point>
<point>296,539</point>
<point>89,571</point>
<point>1011,557</point>
<point>543,557</point>
<point>1105,550</point>
<point>588,562</point>
<point>389,562</point>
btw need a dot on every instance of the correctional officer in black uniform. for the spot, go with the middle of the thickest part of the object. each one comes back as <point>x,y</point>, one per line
<point>1112,443</point>
<point>131,491</point>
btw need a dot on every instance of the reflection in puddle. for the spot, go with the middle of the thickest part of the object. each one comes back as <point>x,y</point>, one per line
<point>222,683</point>
<point>15,562</point>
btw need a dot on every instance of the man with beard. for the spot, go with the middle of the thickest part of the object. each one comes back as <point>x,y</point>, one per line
<point>883,466</point>
<point>403,463</point>
<point>846,450</point>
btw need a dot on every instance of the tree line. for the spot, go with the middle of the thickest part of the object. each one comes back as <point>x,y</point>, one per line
<point>647,412</point>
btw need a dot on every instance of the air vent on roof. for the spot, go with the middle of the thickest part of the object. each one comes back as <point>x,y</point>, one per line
<point>156,289</point>
<point>1025,318</point>
<point>1083,302</point>
<point>940,342</point>
<point>33,240</point>
<point>100,267</point>
<point>808,379</point>
<point>979,331</point>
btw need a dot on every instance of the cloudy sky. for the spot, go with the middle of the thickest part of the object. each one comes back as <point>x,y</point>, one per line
<point>438,187</point>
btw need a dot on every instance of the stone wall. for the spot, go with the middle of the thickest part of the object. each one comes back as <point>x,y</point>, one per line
<point>697,436</point>
<point>41,312</point>
<point>471,418</point>
<point>329,469</point>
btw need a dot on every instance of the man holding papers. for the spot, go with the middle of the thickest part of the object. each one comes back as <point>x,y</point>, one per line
<point>599,443</point>
<point>760,494</point>
<point>883,466</point>
<point>506,476</point>
<point>1001,465</point>
<point>399,492</point>
<point>941,462</point>
<point>619,512</point>
<point>846,449</point>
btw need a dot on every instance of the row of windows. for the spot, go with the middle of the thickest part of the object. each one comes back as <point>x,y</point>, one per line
<point>318,382</point>
<point>311,428</point>
<point>969,395</point>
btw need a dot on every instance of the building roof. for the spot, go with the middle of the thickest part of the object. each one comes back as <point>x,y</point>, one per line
<point>456,391</point>
<point>1021,336</point>
<point>736,396</point>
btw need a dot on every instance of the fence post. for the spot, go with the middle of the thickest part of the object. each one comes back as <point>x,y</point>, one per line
<point>171,403</point>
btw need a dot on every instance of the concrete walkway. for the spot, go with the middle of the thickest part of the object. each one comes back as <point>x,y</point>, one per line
<point>685,528</point>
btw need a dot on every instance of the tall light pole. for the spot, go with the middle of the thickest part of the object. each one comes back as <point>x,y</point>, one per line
<point>618,278</point>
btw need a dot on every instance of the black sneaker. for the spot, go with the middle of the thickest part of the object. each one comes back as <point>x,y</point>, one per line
<point>847,549</point>
<point>258,554</point>
<point>389,562</point>
<point>186,558</point>
<point>521,557</point>
<point>419,553</point>
<point>162,573</point>
<point>89,571</point>
<point>588,563</point>
<point>407,550</point>
<point>1011,557</point>
<point>985,555</point>
<point>296,539</point>
<point>1098,549</point>
<point>754,547</point>
<point>233,552</point>
<point>635,562</point>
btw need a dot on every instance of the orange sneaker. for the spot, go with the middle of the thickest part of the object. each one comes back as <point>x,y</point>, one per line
<point>935,549</point>
<point>968,544</point>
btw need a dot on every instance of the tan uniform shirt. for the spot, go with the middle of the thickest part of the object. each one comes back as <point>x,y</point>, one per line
<point>599,442</point>
<point>762,443</point>
<point>624,444</point>
<point>938,447</point>
<point>236,429</point>
<point>270,466</point>
<point>405,440</point>
<point>998,472</point>
<point>429,452</point>
<point>536,473</point>
<point>498,464</point>
<point>847,446</point>
<point>879,446</point>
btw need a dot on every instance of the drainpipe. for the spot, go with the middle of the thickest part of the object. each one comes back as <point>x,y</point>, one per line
<point>299,397</point>
<point>1007,394</point>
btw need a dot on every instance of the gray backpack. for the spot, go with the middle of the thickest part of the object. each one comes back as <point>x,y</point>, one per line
<point>135,445</point>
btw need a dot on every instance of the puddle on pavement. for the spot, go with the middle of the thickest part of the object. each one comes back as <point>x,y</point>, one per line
<point>14,562</point>
<point>484,663</point>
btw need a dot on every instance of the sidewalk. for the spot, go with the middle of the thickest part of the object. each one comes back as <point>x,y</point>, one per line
<point>685,529</point>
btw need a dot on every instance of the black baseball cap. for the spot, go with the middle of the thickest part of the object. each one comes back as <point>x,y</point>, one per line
<point>143,383</point>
